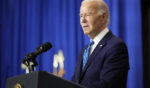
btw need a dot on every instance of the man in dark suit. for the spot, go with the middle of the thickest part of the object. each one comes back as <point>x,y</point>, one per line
<point>104,62</point>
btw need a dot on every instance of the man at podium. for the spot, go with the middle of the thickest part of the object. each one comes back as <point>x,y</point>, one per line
<point>104,62</point>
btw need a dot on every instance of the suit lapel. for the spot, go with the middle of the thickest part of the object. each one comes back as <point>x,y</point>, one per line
<point>79,65</point>
<point>97,50</point>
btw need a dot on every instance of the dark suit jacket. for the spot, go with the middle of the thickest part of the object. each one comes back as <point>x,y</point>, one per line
<point>107,66</point>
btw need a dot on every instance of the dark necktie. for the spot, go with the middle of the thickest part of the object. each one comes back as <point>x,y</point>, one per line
<point>86,54</point>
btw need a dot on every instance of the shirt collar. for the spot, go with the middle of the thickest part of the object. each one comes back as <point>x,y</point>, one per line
<point>99,37</point>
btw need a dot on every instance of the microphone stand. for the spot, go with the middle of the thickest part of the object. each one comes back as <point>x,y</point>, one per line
<point>30,62</point>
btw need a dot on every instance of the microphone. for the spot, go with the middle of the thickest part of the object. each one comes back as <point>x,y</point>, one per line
<point>39,50</point>
<point>29,62</point>
<point>43,48</point>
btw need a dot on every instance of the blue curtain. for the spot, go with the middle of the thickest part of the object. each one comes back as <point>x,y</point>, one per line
<point>26,24</point>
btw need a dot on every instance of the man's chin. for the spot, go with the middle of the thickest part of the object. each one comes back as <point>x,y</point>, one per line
<point>86,33</point>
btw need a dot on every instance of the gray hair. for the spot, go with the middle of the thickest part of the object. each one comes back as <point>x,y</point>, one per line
<point>103,8</point>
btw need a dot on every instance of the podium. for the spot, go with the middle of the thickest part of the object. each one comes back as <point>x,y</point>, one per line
<point>40,79</point>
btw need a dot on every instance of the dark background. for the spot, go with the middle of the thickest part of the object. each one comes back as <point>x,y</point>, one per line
<point>146,41</point>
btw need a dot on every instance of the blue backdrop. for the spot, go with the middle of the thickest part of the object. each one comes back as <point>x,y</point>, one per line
<point>26,24</point>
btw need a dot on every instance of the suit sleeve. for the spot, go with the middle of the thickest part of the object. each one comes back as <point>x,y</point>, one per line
<point>115,68</point>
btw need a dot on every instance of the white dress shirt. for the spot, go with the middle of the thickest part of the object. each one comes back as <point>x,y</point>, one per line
<point>98,38</point>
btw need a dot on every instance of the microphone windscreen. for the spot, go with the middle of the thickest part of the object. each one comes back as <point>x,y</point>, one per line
<point>43,48</point>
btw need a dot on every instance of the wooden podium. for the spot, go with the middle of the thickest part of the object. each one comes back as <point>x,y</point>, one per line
<point>40,79</point>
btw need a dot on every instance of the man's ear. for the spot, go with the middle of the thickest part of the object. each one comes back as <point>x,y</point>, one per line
<point>104,17</point>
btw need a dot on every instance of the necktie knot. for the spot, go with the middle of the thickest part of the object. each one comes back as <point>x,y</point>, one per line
<point>91,43</point>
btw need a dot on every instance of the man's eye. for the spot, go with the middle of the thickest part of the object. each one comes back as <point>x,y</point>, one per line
<point>80,15</point>
<point>88,15</point>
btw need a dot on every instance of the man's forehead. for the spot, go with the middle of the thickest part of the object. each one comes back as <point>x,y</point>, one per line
<point>91,3</point>
<point>89,7</point>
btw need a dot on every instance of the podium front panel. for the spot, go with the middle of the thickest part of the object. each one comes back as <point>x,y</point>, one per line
<point>40,79</point>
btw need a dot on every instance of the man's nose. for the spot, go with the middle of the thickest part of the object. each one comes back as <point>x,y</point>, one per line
<point>83,19</point>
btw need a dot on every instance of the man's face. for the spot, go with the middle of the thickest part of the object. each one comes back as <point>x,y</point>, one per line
<point>90,20</point>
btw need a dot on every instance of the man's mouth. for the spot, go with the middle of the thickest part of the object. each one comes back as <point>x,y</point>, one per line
<point>85,26</point>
